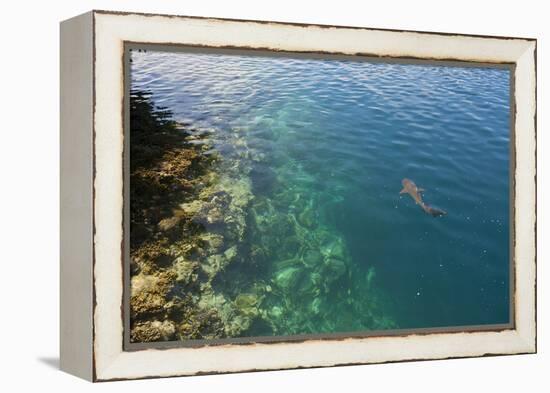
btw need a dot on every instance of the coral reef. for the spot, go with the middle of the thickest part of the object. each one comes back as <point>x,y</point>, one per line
<point>213,256</point>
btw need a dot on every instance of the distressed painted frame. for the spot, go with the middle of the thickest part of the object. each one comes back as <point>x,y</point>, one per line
<point>180,48</point>
<point>92,194</point>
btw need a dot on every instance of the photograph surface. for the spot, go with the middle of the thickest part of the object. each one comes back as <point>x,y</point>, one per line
<point>282,196</point>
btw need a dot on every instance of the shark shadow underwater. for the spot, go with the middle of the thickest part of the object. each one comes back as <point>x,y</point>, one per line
<point>416,194</point>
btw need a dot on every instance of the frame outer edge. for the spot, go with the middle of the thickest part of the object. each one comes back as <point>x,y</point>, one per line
<point>526,187</point>
<point>76,196</point>
<point>524,339</point>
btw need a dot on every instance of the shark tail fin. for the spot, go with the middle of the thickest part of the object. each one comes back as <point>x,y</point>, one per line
<point>434,211</point>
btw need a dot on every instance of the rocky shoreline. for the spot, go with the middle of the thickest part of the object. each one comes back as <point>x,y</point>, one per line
<point>187,222</point>
<point>209,259</point>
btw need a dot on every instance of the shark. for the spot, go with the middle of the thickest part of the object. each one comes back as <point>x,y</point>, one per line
<point>416,193</point>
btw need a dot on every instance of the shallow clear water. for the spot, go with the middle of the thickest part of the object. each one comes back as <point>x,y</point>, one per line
<point>327,143</point>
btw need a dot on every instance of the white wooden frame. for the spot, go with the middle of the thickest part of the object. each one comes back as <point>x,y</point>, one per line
<point>92,47</point>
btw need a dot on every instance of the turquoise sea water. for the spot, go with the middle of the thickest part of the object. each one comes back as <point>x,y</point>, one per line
<point>324,145</point>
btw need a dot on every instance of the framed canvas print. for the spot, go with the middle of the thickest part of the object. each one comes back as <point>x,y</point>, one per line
<point>245,195</point>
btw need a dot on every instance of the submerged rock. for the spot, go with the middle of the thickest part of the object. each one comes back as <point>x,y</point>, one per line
<point>258,255</point>
<point>211,300</point>
<point>230,253</point>
<point>312,258</point>
<point>203,324</point>
<point>276,312</point>
<point>315,306</point>
<point>307,218</point>
<point>245,300</point>
<point>152,256</point>
<point>192,208</point>
<point>186,271</point>
<point>286,263</point>
<point>213,242</point>
<point>214,264</point>
<point>317,279</point>
<point>307,286</point>
<point>214,216</point>
<point>148,293</point>
<point>287,278</point>
<point>150,331</point>
<point>247,304</point>
<point>169,223</point>
<point>334,268</point>
<point>290,247</point>
<point>334,249</point>
<point>237,324</point>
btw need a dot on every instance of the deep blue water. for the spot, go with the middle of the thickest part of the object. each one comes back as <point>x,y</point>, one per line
<point>337,137</point>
